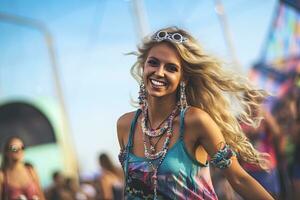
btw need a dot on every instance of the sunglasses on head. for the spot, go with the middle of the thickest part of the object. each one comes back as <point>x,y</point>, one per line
<point>173,37</point>
<point>15,148</point>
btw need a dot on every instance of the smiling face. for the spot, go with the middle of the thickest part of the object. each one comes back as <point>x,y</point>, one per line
<point>162,71</point>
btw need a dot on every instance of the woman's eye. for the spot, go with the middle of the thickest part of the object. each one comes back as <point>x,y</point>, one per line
<point>152,62</point>
<point>172,68</point>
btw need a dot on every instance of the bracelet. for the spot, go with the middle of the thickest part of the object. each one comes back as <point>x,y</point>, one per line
<point>222,159</point>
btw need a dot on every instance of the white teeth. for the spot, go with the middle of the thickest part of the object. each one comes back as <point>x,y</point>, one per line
<point>157,83</point>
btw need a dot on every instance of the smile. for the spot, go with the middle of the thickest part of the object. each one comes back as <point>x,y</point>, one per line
<point>157,83</point>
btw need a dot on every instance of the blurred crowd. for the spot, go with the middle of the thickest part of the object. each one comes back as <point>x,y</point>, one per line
<point>278,135</point>
<point>108,185</point>
<point>19,180</point>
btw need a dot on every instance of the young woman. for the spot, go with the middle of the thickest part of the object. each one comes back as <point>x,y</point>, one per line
<point>184,118</point>
<point>18,180</point>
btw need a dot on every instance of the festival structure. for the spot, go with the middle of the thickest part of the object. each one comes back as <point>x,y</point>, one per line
<point>278,68</point>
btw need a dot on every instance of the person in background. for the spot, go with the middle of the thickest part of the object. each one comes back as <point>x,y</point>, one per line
<point>17,180</point>
<point>75,190</point>
<point>110,181</point>
<point>87,184</point>
<point>58,191</point>
<point>266,138</point>
<point>293,110</point>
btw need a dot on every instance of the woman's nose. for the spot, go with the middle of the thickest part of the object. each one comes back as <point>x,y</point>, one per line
<point>160,70</point>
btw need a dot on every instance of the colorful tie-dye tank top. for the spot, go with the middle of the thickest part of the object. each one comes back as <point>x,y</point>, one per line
<point>179,176</point>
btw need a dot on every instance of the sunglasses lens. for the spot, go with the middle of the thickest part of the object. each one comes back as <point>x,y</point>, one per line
<point>162,34</point>
<point>177,37</point>
<point>15,149</point>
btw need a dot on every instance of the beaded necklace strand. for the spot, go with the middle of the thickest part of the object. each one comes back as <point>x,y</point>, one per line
<point>152,155</point>
<point>159,131</point>
<point>162,153</point>
<point>153,145</point>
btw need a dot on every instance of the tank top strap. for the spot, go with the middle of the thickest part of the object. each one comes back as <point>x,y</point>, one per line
<point>130,144</point>
<point>132,129</point>
<point>181,123</point>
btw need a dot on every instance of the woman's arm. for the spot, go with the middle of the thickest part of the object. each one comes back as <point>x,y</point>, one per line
<point>212,140</point>
<point>243,183</point>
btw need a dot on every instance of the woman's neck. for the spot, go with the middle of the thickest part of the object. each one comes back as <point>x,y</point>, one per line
<point>12,165</point>
<point>159,109</point>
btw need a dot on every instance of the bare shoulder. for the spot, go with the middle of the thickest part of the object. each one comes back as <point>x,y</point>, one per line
<point>197,117</point>
<point>123,127</point>
<point>30,167</point>
<point>125,120</point>
<point>200,122</point>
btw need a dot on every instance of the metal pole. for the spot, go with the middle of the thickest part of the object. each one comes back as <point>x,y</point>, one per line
<point>142,25</point>
<point>219,8</point>
<point>70,162</point>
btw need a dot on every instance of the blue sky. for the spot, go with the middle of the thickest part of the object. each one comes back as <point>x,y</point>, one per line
<point>90,39</point>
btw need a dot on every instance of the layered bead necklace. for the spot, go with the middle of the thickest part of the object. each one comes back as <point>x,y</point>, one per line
<point>153,133</point>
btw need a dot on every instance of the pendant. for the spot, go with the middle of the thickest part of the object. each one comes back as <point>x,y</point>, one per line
<point>152,149</point>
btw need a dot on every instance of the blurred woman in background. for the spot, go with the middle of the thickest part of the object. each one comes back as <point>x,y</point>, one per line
<point>17,180</point>
<point>111,179</point>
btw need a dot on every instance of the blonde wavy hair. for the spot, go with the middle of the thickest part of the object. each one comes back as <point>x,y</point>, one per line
<point>208,87</point>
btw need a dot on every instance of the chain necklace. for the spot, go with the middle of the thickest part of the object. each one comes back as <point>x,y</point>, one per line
<point>160,125</point>
<point>153,145</point>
